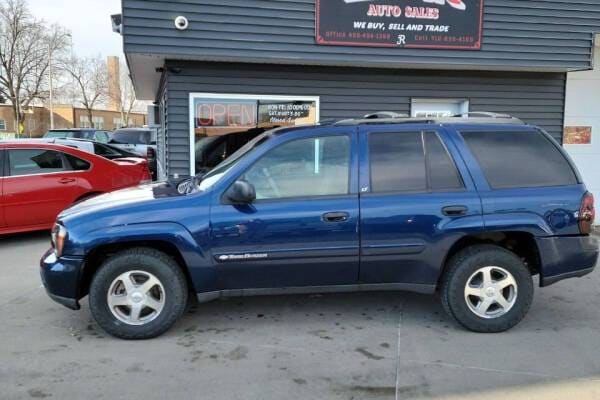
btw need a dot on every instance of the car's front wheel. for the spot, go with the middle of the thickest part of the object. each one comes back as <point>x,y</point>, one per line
<point>138,294</point>
<point>487,289</point>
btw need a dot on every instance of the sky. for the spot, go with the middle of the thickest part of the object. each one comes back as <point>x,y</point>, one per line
<point>88,21</point>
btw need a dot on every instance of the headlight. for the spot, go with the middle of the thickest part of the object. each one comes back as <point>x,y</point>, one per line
<point>59,235</point>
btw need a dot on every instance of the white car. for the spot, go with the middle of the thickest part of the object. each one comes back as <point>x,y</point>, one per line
<point>141,141</point>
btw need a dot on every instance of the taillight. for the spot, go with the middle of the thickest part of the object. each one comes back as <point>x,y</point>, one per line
<point>150,153</point>
<point>587,214</point>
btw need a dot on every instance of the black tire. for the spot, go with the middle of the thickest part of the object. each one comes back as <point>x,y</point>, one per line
<point>463,265</point>
<point>157,263</point>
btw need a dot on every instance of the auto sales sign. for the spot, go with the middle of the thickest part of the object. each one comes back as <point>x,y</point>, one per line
<point>435,24</point>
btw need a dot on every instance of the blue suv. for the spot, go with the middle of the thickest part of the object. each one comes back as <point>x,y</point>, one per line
<point>471,208</point>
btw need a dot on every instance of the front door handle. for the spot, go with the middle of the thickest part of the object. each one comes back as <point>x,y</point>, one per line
<point>336,217</point>
<point>455,211</point>
<point>66,180</point>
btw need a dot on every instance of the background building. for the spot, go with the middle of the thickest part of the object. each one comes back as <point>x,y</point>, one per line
<point>37,120</point>
<point>209,66</point>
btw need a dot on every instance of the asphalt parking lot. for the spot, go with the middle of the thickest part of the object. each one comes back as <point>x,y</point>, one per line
<point>346,346</point>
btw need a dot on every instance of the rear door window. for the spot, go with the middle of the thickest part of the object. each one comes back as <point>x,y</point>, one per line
<point>442,171</point>
<point>520,159</point>
<point>34,161</point>
<point>411,162</point>
<point>397,162</point>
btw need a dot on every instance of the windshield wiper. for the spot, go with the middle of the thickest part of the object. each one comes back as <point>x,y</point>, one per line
<point>190,185</point>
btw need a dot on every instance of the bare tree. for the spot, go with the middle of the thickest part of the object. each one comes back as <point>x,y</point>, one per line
<point>25,47</point>
<point>90,78</point>
<point>126,100</point>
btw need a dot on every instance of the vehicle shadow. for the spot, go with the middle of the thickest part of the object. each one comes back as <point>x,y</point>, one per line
<point>345,308</point>
<point>23,239</point>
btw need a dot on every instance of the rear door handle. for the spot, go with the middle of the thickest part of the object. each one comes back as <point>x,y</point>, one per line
<point>455,211</point>
<point>336,217</point>
<point>66,180</point>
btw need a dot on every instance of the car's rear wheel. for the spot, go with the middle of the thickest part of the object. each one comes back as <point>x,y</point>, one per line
<point>487,289</point>
<point>138,294</point>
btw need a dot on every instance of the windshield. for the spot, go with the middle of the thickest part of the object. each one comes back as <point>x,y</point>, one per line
<point>217,173</point>
<point>60,134</point>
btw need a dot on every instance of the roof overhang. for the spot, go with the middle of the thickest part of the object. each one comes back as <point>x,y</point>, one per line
<point>146,69</point>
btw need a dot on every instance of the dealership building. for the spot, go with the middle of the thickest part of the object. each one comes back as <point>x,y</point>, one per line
<point>223,67</point>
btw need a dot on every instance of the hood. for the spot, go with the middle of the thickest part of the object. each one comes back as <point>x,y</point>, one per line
<point>120,198</point>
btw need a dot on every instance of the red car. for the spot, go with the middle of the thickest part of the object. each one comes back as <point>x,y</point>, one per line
<point>39,180</point>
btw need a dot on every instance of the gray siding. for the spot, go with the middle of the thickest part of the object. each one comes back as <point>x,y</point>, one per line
<point>537,98</point>
<point>551,35</point>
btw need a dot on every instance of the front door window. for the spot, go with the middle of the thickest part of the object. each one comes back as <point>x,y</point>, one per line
<point>33,161</point>
<point>303,168</point>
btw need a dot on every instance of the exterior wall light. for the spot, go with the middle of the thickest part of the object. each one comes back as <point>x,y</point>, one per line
<point>181,23</point>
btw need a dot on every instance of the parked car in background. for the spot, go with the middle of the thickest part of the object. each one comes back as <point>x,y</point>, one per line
<point>470,207</point>
<point>39,180</point>
<point>141,141</point>
<point>96,135</point>
<point>212,150</point>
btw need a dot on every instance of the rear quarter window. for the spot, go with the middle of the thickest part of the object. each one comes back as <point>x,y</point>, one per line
<point>77,164</point>
<point>520,159</point>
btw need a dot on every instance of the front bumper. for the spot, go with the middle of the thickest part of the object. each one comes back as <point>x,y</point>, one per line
<point>566,257</point>
<point>61,278</point>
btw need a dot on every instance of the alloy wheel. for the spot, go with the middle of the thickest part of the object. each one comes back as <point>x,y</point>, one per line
<point>136,297</point>
<point>491,292</point>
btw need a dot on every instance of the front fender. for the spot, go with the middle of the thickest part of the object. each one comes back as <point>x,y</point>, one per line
<point>196,258</point>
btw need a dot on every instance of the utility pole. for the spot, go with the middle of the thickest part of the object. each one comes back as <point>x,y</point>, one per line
<point>51,86</point>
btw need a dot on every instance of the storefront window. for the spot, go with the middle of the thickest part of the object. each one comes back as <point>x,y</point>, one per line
<point>221,124</point>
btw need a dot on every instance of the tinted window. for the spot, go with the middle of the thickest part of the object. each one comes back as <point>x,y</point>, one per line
<point>77,164</point>
<point>397,162</point>
<point>129,136</point>
<point>520,159</point>
<point>306,167</point>
<point>105,151</point>
<point>442,170</point>
<point>32,161</point>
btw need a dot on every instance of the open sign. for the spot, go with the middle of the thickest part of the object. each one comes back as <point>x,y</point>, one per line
<point>225,113</point>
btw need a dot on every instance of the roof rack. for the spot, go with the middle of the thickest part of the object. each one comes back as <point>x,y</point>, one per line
<point>385,114</point>
<point>482,114</point>
<point>474,117</point>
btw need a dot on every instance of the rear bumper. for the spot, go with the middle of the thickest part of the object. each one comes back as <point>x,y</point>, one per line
<point>60,277</point>
<point>566,257</point>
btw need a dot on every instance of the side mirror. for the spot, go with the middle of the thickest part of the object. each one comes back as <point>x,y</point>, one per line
<point>241,192</point>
